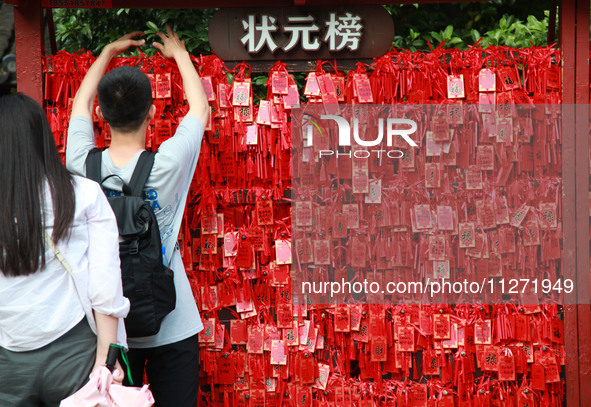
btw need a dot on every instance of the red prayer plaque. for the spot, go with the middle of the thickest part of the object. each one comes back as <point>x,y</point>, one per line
<point>241,93</point>
<point>455,86</point>
<point>486,80</point>
<point>208,88</point>
<point>490,358</point>
<point>264,211</point>
<point>342,319</point>
<point>362,88</point>
<point>379,349</point>
<point>311,88</point>
<point>279,83</point>
<point>255,340</point>
<point>483,332</point>
<point>441,326</point>
<point>506,366</point>
<point>406,338</point>
<point>467,235</point>
<point>278,355</point>
<point>549,216</point>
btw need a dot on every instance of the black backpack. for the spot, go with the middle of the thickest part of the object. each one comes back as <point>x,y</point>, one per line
<point>147,282</point>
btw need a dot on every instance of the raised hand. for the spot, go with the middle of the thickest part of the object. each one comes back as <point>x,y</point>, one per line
<point>171,44</point>
<point>123,43</point>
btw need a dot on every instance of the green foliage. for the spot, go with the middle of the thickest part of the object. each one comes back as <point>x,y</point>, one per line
<point>499,22</point>
<point>92,29</point>
<point>459,25</point>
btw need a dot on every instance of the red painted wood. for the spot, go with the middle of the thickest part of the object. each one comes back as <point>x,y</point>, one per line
<point>567,36</point>
<point>574,39</point>
<point>28,24</point>
<point>582,197</point>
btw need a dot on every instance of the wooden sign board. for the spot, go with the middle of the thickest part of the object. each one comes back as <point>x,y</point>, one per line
<point>300,36</point>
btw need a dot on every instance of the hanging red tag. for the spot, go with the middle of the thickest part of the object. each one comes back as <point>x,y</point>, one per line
<point>467,235</point>
<point>307,368</point>
<point>264,113</point>
<point>292,99</point>
<point>279,83</point>
<point>311,88</point>
<point>208,333</point>
<point>379,351</point>
<point>323,374</point>
<point>430,363</point>
<point>278,356</point>
<point>284,315</point>
<point>208,88</point>
<point>241,93</point>
<point>486,80</point>
<point>223,95</point>
<point>406,338</point>
<point>255,339</point>
<point>257,398</point>
<point>518,216</point>
<point>506,367</point>
<point>490,358</point>
<point>363,88</point>
<point>238,333</point>
<point>508,79</point>
<point>264,211</point>
<point>455,86</point>
<point>441,326</point>
<point>538,379</point>
<point>445,219</point>
<point>436,247</point>
<point>283,251</point>
<point>549,218</point>
<point>226,371</point>
<point>163,86</point>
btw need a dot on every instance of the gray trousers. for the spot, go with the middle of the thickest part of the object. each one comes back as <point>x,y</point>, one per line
<point>45,376</point>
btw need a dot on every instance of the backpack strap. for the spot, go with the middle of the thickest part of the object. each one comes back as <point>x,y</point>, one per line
<point>93,165</point>
<point>138,178</point>
<point>141,172</point>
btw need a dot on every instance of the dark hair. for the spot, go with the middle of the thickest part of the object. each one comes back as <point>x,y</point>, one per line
<point>125,97</point>
<point>29,159</point>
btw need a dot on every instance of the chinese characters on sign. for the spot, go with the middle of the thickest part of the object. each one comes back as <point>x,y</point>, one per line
<point>301,35</point>
<point>339,31</point>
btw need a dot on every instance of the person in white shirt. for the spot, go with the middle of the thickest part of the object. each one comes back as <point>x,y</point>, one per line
<point>47,345</point>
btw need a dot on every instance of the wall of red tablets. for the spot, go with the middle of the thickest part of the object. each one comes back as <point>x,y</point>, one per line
<point>260,349</point>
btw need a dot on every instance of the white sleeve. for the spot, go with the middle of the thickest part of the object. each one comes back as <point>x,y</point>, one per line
<point>80,142</point>
<point>105,289</point>
<point>176,158</point>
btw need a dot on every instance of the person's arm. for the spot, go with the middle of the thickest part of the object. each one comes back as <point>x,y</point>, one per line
<point>84,100</point>
<point>105,289</point>
<point>106,334</point>
<point>173,47</point>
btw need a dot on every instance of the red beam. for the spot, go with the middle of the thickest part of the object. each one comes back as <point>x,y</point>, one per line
<point>261,3</point>
<point>28,33</point>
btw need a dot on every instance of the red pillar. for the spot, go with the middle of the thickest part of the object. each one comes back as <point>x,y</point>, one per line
<point>574,43</point>
<point>28,32</point>
<point>582,196</point>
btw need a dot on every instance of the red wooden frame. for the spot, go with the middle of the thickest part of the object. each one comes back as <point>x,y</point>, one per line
<point>574,41</point>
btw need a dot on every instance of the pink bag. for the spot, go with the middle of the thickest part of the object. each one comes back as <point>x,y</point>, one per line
<point>101,391</point>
